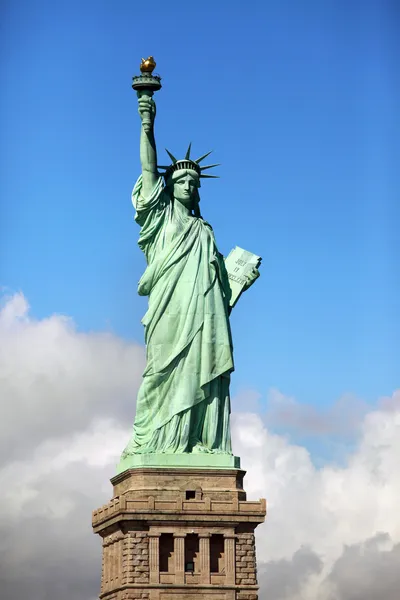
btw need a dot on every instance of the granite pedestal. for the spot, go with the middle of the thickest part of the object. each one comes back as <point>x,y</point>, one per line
<point>179,534</point>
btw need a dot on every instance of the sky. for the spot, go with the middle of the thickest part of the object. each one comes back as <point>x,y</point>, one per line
<point>299,103</point>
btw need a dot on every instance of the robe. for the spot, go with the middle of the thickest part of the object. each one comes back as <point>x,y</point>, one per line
<point>183,403</point>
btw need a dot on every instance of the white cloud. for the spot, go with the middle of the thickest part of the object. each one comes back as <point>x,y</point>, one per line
<point>286,413</point>
<point>55,380</point>
<point>326,508</point>
<point>99,447</point>
<point>332,533</point>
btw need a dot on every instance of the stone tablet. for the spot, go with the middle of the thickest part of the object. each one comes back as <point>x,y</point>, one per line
<point>238,264</point>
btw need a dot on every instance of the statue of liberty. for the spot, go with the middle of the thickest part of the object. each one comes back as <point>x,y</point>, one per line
<point>183,404</point>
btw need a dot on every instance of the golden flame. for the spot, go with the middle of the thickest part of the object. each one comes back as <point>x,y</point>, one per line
<point>147,65</point>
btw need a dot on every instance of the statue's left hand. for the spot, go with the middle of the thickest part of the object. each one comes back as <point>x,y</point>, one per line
<point>251,277</point>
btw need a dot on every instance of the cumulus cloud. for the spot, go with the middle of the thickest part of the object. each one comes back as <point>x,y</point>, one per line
<point>332,533</point>
<point>55,380</point>
<point>286,413</point>
<point>284,578</point>
<point>324,509</point>
<point>367,571</point>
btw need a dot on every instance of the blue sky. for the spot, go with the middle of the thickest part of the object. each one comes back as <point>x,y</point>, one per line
<point>299,101</point>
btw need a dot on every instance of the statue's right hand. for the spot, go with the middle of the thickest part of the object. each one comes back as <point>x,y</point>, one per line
<point>147,109</point>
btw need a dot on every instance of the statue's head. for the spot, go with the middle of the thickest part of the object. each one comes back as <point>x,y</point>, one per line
<point>182,178</point>
<point>184,185</point>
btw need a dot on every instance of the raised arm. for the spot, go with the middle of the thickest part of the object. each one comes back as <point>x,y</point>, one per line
<point>148,152</point>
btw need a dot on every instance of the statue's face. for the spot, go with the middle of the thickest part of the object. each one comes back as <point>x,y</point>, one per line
<point>185,184</point>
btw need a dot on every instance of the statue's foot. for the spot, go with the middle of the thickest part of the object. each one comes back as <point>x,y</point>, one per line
<point>200,449</point>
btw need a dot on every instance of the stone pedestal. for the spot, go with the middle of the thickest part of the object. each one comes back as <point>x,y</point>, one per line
<point>179,534</point>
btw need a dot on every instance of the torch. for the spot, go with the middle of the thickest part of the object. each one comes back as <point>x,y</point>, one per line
<point>146,84</point>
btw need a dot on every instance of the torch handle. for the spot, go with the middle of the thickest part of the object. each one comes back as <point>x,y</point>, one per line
<point>146,121</point>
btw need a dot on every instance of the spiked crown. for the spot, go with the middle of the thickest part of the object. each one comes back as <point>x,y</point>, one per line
<point>187,163</point>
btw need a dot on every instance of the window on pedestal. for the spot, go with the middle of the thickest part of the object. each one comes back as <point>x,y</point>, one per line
<point>192,553</point>
<point>166,552</point>
<point>217,555</point>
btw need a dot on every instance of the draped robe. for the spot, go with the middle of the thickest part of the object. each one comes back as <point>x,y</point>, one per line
<point>183,403</point>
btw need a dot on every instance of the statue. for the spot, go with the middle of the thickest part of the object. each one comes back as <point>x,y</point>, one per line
<point>183,404</point>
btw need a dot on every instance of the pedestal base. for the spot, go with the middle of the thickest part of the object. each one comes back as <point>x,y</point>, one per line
<point>198,461</point>
<point>179,534</point>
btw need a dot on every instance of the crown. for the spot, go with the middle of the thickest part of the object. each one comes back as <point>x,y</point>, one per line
<point>188,163</point>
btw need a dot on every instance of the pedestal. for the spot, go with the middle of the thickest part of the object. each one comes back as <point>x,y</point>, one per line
<point>179,534</point>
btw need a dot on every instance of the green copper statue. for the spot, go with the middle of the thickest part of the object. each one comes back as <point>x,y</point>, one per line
<point>183,404</point>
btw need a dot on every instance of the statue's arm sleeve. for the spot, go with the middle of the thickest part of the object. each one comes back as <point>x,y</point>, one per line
<point>145,205</point>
